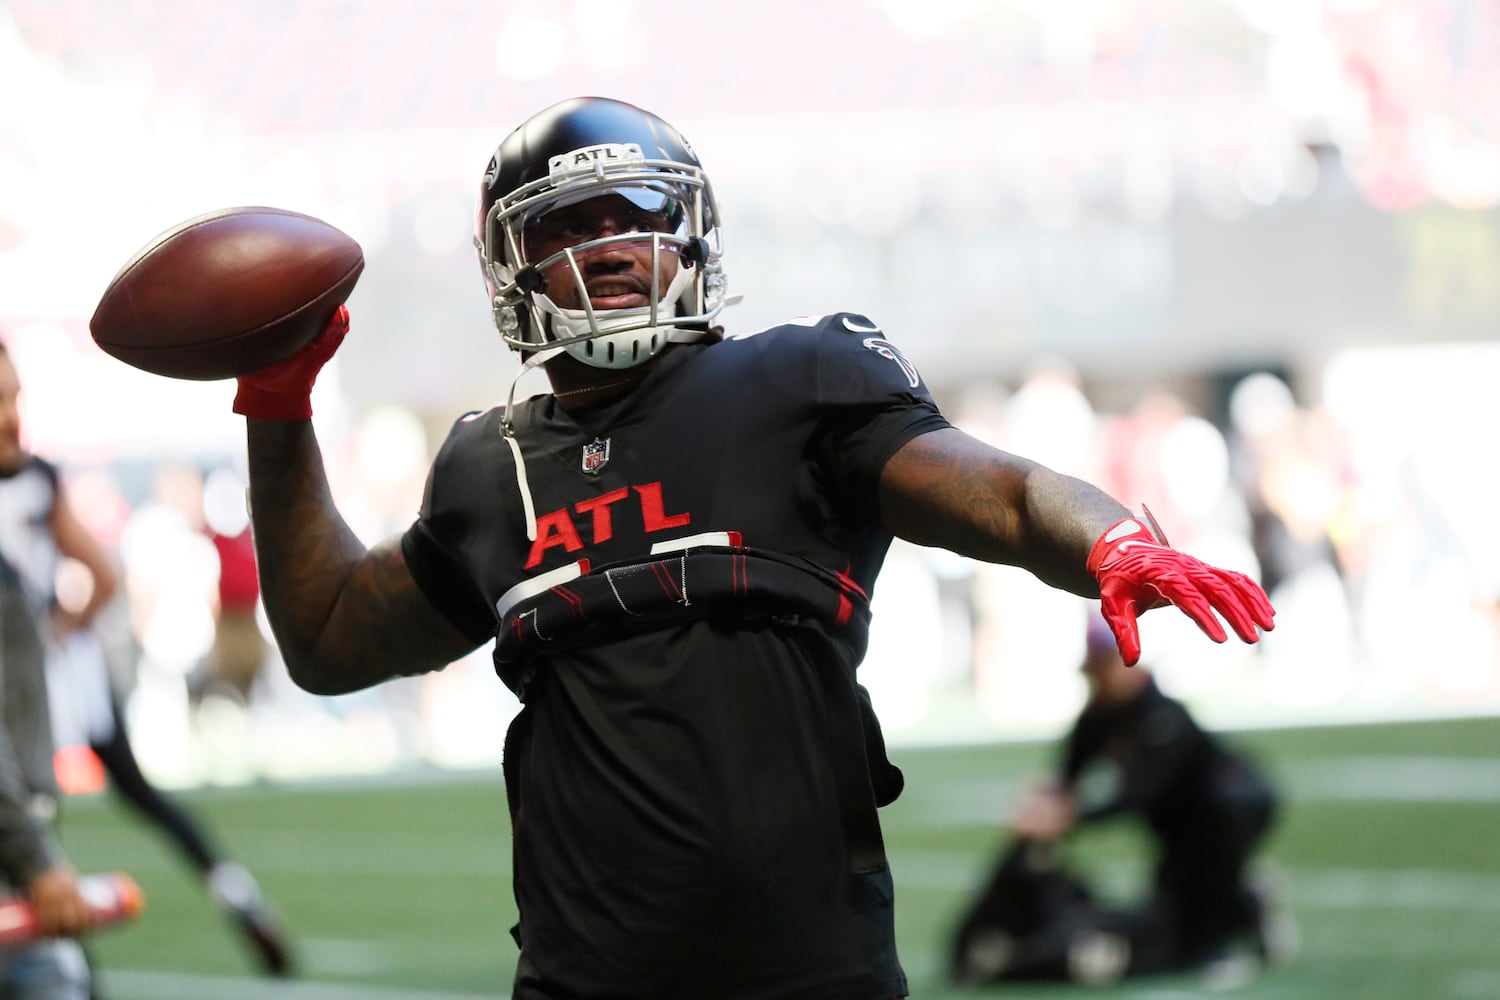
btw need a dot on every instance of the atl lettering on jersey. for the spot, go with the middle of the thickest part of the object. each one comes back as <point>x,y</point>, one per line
<point>559,528</point>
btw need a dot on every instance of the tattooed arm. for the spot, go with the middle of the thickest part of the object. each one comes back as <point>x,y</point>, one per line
<point>950,490</point>
<point>345,617</point>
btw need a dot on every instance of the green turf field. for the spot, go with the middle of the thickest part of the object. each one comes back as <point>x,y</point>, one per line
<point>399,889</point>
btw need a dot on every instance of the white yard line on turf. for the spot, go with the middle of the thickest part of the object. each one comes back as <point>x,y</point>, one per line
<point>1320,888</point>
<point>1392,778</point>
<point>134,984</point>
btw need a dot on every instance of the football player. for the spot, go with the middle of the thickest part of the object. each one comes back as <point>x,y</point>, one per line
<point>673,552</point>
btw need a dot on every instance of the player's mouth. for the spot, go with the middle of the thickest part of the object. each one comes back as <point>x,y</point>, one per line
<point>618,293</point>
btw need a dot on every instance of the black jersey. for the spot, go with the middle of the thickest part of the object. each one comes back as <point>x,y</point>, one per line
<point>675,786</point>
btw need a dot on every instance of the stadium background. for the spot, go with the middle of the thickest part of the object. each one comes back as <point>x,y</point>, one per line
<point>1201,252</point>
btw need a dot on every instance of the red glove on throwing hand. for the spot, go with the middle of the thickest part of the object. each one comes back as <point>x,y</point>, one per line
<point>284,390</point>
<point>1138,571</point>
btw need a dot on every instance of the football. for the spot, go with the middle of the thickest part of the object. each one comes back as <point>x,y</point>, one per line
<point>226,293</point>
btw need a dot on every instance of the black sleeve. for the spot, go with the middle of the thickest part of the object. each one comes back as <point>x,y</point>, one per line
<point>875,399</point>
<point>433,545</point>
<point>446,585</point>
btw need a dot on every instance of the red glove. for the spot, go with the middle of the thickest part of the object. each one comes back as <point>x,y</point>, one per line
<point>284,390</point>
<point>1138,571</point>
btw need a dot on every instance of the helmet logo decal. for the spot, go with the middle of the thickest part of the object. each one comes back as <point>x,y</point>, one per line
<point>595,456</point>
<point>492,171</point>
<point>589,159</point>
<point>886,349</point>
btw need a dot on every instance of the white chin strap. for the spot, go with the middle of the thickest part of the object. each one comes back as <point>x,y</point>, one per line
<point>620,338</point>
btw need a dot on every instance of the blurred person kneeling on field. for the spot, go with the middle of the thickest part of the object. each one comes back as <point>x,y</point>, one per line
<point>1132,752</point>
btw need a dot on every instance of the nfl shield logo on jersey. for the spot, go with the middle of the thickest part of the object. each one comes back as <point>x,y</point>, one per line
<point>595,455</point>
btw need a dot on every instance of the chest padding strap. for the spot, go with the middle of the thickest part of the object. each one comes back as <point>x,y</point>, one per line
<point>576,606</point>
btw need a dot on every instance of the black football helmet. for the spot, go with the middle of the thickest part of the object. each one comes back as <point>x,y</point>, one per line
<point>571,152</point>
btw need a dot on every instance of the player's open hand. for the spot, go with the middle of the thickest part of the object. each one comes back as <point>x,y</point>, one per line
<point>1137,572</point>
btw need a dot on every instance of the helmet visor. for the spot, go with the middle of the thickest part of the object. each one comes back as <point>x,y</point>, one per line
<point>600,213</point>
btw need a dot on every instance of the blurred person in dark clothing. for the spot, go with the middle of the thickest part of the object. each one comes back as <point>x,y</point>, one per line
<point>39,529</point>
<point>1133,753</point>
<point>31,861</point>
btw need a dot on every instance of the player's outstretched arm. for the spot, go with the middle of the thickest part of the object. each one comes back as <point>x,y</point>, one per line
<point>345,617</point>
<point>950,490</point>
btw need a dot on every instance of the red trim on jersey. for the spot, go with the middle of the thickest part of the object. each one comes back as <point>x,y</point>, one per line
<point>846,609</point>
<point>740,568</point>
<point>848,583</point>
<point>575,603</point>
<point>663,574</point>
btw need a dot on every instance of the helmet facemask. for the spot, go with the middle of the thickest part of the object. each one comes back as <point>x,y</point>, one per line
<point>676,216</point>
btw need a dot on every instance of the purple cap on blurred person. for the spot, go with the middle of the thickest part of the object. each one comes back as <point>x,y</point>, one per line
<point>1097,636</point>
